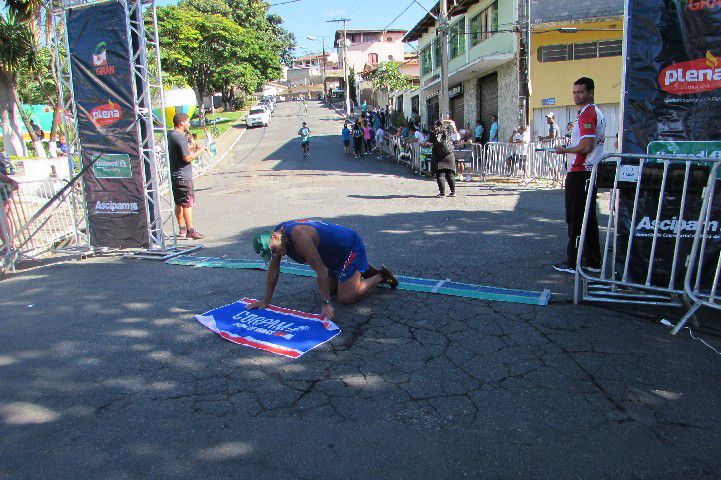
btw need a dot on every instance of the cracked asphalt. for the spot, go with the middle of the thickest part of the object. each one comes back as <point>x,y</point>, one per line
<point>105,374</point>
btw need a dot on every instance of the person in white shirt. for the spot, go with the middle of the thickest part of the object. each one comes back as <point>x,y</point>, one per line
<point>521,138</point>
<point>418,135</point>
<point>379,137</point>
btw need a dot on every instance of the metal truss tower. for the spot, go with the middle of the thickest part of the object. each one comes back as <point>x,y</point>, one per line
<point>148,96</point>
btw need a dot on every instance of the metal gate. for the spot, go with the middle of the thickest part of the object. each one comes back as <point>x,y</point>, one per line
<point>654,204</point>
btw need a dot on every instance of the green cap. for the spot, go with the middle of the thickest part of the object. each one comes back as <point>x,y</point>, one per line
<point>261,245</point>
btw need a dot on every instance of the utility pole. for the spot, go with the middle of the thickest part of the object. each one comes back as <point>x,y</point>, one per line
<point>524,45</point>
<point>325,87</point>
<point>443,31</point>
<point>345,61</point>
<point>315,39</point>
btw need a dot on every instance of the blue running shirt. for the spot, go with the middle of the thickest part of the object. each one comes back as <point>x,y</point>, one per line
<point>336,242</point>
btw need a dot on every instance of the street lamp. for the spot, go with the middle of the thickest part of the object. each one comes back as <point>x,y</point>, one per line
<point>314,39</point>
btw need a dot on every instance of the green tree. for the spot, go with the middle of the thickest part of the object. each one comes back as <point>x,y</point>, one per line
<point>235,75</point>
<point>18,40</point>
<point>204,43</point>
<point>388,77</point>
<point>194,46</point>
<point>352,93</point>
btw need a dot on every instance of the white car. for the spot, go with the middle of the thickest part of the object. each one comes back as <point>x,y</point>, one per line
<point>257,116</point>
<point>265,107</point>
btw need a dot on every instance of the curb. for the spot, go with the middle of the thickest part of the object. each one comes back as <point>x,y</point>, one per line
<point>227,151</point>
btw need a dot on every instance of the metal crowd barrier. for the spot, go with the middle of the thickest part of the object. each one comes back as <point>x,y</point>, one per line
<point>545,164</point>
<point>491,159</point>
<point>703,275</point>
<point>37,218</point>
<point>494,160</point>
<point>653,207</point>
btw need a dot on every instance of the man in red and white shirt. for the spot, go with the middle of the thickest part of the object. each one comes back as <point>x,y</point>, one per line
<point>586,150</point>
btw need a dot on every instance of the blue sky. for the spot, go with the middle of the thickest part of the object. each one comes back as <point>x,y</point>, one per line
<point>308,17</point>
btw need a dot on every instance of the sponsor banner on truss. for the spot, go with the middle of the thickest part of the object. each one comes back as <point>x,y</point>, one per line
<point>672,84</point>
<point>274,329</point>
<point>101,65</point>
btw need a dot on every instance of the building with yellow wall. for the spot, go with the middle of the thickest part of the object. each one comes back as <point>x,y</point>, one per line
<point>572,39</point>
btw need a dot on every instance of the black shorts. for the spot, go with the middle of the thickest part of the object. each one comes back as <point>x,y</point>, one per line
<point>183,191</point>
<point>346,143</point>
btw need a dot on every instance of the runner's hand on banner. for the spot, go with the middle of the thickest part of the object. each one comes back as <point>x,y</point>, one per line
<point>259,305</point>
<point>327,311</point>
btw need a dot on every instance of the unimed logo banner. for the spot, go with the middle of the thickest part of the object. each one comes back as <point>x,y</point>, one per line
<point>103,91</point>
<point>673,72</point>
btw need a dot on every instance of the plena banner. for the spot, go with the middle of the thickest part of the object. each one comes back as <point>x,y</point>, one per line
<point>672,89</point>
<point>107,124</point>
<point>671,106</point>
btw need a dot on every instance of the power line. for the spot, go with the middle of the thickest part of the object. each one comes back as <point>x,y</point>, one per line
<point>283,3</point>
<point>413,2</point>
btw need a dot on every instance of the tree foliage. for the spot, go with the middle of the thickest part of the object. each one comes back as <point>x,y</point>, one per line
<point>221,45</point>
<point>388,76</point>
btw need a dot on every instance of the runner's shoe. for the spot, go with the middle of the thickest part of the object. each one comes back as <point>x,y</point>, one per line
<point>388,277</point>
<point>182,233</point>
<point>371,271</point>
<point>194,234</point>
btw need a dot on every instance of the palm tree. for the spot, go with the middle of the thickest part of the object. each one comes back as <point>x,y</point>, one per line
<point>18,36</point>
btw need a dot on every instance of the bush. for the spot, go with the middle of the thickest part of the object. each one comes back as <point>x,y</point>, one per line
<point>238,103</point>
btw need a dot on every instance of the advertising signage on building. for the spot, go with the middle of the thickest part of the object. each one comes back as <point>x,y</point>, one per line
<point>107,124</point>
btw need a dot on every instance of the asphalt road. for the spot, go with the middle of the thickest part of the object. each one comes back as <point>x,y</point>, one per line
<point>105,374</point>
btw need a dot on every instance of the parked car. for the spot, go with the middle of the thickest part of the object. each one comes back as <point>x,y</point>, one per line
<point>265,107</point>
<point>257,116</point>
<point>269,103</point>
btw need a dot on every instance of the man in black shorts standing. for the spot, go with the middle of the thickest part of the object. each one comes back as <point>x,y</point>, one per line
<point>181,175</point>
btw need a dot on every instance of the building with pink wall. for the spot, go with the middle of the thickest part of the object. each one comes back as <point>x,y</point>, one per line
<point>370,47</point>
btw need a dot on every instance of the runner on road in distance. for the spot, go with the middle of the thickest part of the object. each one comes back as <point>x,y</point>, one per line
<point>337,255</point>
<point>304,133</point>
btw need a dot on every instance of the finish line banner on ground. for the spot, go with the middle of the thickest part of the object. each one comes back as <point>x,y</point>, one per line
<point>277,330</point>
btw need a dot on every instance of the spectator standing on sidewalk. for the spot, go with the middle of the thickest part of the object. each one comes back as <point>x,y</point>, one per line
<point>443,161</point>
<point>7,186</point>
<point>521,138</point>
<point>367,136</point>
<point>478,132</point>
<point>587,139</point>
<point>357,140</point>
<point>493,132</point>
<point>379,134</point>
<point>553,131</point>
<point>345,136</point>
<point>181,175</point>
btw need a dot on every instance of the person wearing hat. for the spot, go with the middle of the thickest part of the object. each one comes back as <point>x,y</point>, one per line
<point>553,131</point>
<point>336,254</point>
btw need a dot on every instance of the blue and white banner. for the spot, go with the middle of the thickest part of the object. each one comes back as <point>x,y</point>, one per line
<point>277,330</point>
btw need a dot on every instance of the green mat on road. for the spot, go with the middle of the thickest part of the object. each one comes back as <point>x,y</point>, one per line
<point>443,287</point>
